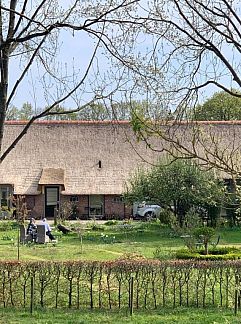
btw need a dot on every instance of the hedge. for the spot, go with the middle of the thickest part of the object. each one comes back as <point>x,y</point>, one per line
<point>215,254</point>
<point>108,284</point>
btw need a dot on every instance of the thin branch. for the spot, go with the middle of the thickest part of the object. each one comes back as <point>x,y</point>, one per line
<point>30,62</point>
<point>48,110</point>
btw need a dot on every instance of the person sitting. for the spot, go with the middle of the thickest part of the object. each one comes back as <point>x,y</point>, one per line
<point>32,229</point>
<point>48,229</point>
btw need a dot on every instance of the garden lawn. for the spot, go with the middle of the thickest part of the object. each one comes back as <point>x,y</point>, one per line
<point>103,242</point>
<point>178,315</point>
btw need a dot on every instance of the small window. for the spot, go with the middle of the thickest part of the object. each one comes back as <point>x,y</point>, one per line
<point>118,199</point>
<point>96,205</point>
<point>74,199</point>
<point>5,195</point>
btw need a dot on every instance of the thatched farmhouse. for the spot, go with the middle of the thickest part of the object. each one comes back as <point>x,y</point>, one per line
<point>82,162</point>
<point>87,163</point>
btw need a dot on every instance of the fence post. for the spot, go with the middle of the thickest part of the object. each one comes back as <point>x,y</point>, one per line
<point>18,241</point>
<point>32,295</point>
<point>236,294</point>
<point>131,294</point>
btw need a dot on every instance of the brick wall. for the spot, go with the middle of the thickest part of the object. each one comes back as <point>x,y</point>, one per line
<point>113,206</point>
<point>36,206</point>
<point>81,204</point>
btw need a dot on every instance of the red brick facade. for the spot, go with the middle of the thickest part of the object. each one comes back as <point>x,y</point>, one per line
<point>113,207</point>
<point>35,205</point>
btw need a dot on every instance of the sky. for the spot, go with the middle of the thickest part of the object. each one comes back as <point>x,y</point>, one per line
<point>70,62</point>
<point>74,54</point>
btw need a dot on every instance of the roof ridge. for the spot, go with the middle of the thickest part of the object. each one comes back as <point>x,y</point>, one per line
<point>48,122</point>
<point>123,122</point>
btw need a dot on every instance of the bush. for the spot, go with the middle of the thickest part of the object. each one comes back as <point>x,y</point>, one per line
<point>215,254</point>
<point>6,225</point>
<point>111,222</point>
<point>166,216</point>
<point>96,227</point>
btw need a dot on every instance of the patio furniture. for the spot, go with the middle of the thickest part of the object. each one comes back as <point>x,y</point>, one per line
<point>42,238</point>
<point>24,237</point>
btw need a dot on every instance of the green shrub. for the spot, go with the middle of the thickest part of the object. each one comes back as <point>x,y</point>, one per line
<point>206,232</point>
<point>166,216</point>
<point>6,225</point>
<point>161,254</point>
<point>111,222</point>
<point>215,254</point>
<point>96,227</point>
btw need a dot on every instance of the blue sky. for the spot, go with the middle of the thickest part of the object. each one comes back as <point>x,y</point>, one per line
<point>74,53</point>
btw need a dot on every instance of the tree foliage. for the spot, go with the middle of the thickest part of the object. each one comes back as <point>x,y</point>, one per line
<point>178,185</point>
<point>221,106</point>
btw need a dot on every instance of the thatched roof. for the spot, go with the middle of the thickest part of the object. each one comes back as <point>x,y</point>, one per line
<point>89,157</point>
<point>52,176</point>
<point>98,157</point>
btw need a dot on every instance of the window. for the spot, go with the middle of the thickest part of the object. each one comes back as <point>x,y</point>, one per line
<point>118,199</point>
<point>5,194</point>
<point>74,199</point>
<point>96,204</point>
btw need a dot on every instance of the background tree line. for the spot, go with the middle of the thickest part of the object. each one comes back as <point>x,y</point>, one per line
<point>95,111</point>
<point>220,106</point>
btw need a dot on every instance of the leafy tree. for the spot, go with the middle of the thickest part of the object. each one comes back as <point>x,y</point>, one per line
<point>26,112</point>
<point>61,114</point>
<point>94,111</point>
<point>221,106</point>
<point>122,110</point>
<point>178,185</point>
<point>12,113</point>
<point>206,234</point>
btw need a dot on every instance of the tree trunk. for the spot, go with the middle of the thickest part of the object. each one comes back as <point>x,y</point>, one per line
<point>4,58</point>
<point>206,248</point>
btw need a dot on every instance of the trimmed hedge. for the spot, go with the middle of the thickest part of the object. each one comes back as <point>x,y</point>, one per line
<point>108,284</point>
<point>215,254</point>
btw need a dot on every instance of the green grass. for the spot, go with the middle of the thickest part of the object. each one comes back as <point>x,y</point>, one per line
<point>231,236</point>
<point>102,242</point>
<point>178,315</point>
<point>105,243</point>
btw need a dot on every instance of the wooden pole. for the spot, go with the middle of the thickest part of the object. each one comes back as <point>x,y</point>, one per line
<point>32,295</point>
<point>131,295</point>
<point>18,220</point>
<point>236,294</point>
<point>18,241</point>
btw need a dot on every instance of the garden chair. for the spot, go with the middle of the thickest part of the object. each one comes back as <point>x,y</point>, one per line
<point>42,238</point>
<point>24,237</point>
